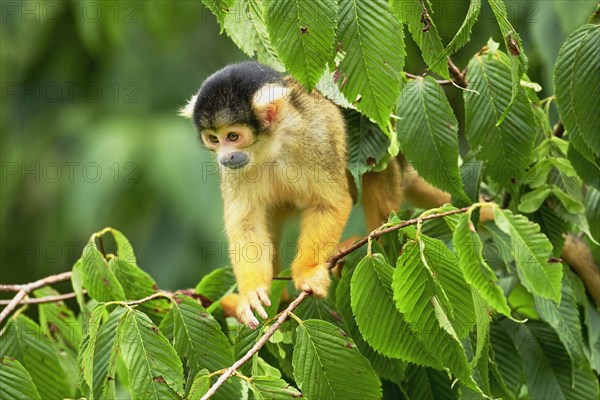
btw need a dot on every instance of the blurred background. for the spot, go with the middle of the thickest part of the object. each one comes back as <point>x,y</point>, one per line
<point>90,135</point>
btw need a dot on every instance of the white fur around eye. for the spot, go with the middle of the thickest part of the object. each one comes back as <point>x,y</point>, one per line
<point>268,94</point>
<point>187,111</point>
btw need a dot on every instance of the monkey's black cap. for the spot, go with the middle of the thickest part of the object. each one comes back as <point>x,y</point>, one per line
<point>225,97</point>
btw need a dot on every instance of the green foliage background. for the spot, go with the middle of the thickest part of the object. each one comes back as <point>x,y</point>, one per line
<point>146,59</point>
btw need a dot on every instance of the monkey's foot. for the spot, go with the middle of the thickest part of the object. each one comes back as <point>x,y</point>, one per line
<point>249,302</point>
<point>313,279</point>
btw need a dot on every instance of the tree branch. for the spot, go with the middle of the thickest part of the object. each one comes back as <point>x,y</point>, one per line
<point>459,77</point>
<point>40,300</point>
<point>257,346</point>
<point>440,82</point>
<point>292,306</point>
<point>29,287</point>
<point>382,231</point>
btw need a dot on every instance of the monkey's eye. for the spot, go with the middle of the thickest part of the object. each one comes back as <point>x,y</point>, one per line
<point>233,137</point>
<point>213,139</point>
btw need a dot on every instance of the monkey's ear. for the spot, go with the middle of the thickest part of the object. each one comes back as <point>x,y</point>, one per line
<point>188,110</point>
<point>268,102</point>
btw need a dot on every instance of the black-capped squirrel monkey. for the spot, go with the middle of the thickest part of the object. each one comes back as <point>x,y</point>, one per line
<point>281,149</point>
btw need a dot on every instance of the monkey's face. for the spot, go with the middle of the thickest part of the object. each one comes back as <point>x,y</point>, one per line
<point>230,143</point>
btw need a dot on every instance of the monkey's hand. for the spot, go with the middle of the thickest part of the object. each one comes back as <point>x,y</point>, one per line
<point>252,300</point>
<point>314,279</point>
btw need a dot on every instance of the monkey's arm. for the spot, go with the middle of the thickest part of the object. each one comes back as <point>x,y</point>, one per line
<point>251,253</point>
<point>320,232</point>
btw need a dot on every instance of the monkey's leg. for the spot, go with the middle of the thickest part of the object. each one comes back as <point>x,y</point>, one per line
<point>321,229</point>
<point>382,194</point>
<point>251,253</point>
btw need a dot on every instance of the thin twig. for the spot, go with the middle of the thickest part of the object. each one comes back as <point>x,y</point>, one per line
<point>40,300</point>
<point>149,298</point>
<point>10,288</point>
<point>458,76</point>
<point>257,346</point>
<point>29,287</point>
<point>439,81</point>
<point>380,232</point>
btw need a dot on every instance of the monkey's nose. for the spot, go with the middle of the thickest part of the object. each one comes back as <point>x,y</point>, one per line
<point>234,160</point>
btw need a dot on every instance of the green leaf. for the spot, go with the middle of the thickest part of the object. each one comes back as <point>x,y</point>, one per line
<point>59,320</point>
<point>200,385</point>
<point>506,149</point>
<point>99,280</point>
<point>327,364</point>
<point>155,370</point>
<point>505,363</point>
<point>416,14</point>
<point>245,25</point>
<point>386,368</point>
<point>564,318</point>
<point>514,47</point>
<point>367,145</point>
<point>85,357</point>
<point>447,277</point>
<point>62,326</point>
<point>468,247</point>
<point>98,353</point>
<point>592,207</point>
<point>23,340</point>
<point>563,165</point>
<point>105,355</point>
<point>138,284</point>
<point>270,388</point>
<point>428,134</point>
<point>592,322</point>
<point>429,384</point>
<point>216,284</point>
<point>571,204</point>
<point>373,307</point>
<point>303,34</point>
<point>323,309</point>
<point>244,340</point>
<point>547,366</point>
<point>553,227</point>
<point>531,250</point>
<point>124,247</point>
<point>419,299</point>
<point>471,172</point>
<point>77,283</point>
<point>589,171</point>
<point>462,36</point>
<point>369,73</point>
<point>482,314</point>
<point>219,8</point>
<point>199,340</point>
<point>533,200</point>
<point>15,381</point>
<point>537,174</point>
<point>575,78</point>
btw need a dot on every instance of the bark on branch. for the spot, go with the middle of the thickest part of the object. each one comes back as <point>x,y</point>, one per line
<point>27,288</point>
